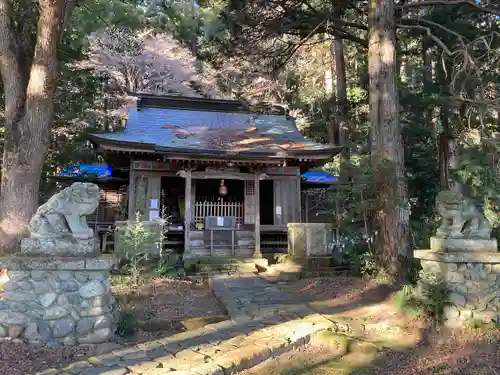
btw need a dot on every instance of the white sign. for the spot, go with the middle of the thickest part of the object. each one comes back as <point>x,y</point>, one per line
<point>153,204</point>
<point>220,221</point>
<point>154,215</point>
<point>278,210</point>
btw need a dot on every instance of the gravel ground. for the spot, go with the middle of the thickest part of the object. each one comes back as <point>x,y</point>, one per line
<point>160,305</point>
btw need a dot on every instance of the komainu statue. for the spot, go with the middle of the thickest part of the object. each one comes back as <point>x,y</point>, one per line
<point>59,227</point>
<point>461,218</point>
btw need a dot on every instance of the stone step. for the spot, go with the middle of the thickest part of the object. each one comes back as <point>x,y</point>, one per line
<point>222,348</point>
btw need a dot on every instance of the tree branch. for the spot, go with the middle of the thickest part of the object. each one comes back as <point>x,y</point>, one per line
<point>472,3</point>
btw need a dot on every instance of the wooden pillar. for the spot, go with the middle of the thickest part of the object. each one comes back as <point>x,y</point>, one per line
<point>257,253</point>
<point>187,213</point>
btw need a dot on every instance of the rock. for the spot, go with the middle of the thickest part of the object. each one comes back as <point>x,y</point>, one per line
<point>55,312</point>
<point>53,345</point>
<point>48,299</point>
<point>81,276</point>
<point>41,287</point>
<point>457,299</point>
<point>45,331</point>
<point>92,289</point>
<point>18,306</point>
<point>55,284</point>
<point>62,300</point>
<point>19,296</point>
<point>38,275</point>
<point>103,322</point>
<point>452,267</point>
<point>100,301</point>
<point>17,275</point>
<point>97,337</point>
<point>63,327</point>
<point>95,311</point>
<point>85,304</point>
<point>451,312</point>
<point>84,326</point>
<point>16,318</point>
<point>31,332</point>
<point>24,285</point>
<point>4,331</point>
<point>70,286</point>
<point>481,306</point>
<point>74,299</point>
<point>98,276</point>
<point>64,275</point>
<point>3,304</point>
<point>68,341</point>
<point>15,331</point>
<point>455,277</point>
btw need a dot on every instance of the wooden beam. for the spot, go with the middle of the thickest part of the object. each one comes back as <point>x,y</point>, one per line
<point>187,212</point>
<point>257,253</point>
<point>223,175</point>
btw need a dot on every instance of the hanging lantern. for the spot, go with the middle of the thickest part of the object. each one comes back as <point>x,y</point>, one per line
<point>222,188</point>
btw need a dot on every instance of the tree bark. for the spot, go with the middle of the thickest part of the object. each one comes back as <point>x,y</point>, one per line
<point>29,103</point>
<point>342,107</point>
<point>387,143</point>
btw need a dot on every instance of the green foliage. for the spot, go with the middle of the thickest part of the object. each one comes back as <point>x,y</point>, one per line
<point>429,297</point>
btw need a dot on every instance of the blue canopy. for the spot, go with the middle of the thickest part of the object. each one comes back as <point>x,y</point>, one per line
<point>84,170</point>
<point>319,177</point>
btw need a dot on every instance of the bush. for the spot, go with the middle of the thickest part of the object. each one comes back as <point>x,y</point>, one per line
<point>430,297</point>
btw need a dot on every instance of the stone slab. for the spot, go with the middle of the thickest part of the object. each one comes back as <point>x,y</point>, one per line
<point>457,257</point>
<point>47,263</point>
<point>463,244</point>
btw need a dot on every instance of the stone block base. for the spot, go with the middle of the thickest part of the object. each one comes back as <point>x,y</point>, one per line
<point>59,301</point>
<point>59,247</point>
<point>473,280</point>
<point>462,245</point>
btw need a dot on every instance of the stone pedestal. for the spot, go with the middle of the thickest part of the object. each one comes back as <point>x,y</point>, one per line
<point>461,245</point>
<point>57,300</point>
<point>473,279</point>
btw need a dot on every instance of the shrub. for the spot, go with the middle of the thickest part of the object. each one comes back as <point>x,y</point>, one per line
<point>429,297</point>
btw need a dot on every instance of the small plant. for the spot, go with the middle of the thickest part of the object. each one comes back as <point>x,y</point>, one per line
<point>430,297</point>
<point>127,323</point>
<point>136,238</point>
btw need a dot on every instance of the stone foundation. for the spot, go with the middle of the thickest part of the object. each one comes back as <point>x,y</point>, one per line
<point>474,282</point>
<point>57,301</point>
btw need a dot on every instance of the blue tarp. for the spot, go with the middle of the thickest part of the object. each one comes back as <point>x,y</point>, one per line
<point>319,177</point>
<point>83,170</point>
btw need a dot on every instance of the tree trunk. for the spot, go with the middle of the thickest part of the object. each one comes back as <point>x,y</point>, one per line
<point>28,117</point>
<point>387,143</point>
<point>342,107</point>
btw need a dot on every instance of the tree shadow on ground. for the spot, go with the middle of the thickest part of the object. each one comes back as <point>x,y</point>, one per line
<point>437,353</point>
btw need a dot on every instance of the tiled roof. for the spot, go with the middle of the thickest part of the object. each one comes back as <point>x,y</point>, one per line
<point>201,131</point>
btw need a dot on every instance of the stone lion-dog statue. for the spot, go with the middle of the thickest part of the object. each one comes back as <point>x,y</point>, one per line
<point>461,218</point>
<point>59,226</point>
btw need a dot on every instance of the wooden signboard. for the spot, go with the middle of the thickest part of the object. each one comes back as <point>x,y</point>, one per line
<point>147,165</point>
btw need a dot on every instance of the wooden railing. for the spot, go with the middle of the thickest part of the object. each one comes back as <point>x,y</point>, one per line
<point>205,208</point>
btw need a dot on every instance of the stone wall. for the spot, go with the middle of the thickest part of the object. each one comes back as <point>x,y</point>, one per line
<point>57,301</point>
<point>473,280</point>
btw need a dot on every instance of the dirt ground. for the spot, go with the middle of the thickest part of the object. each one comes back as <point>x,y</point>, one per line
<point>470,353</point>
<point>412,346</point>
<point>162,307</point>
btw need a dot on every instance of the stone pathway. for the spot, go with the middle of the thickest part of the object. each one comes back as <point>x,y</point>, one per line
<point>265,322</point>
